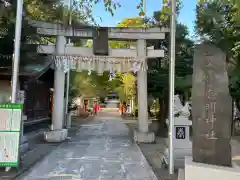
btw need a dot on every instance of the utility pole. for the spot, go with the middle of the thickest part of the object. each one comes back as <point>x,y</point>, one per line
<point>68,72</point>
<point>172,85</point>
<point>16,54</point>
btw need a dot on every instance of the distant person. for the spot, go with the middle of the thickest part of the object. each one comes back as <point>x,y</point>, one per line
<point>96,108</point>
<point>124,107</point>
<point>85,105</point>
<point>121,109</point>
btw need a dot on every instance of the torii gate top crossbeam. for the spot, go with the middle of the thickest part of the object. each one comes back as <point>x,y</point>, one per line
<point>115,33</point>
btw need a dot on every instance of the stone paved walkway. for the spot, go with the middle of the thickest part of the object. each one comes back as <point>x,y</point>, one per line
<point>101,150</point>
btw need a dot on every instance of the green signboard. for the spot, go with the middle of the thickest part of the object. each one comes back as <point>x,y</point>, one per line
<point>10,132</point>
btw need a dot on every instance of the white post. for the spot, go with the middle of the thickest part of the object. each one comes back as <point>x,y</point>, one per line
<point>59,86</point>
<point>16,54</point>
<point>142,89</point>
<point>172,86</point>
<point>68,72</point>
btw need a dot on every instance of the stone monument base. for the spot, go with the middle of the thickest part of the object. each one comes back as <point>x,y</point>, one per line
<point>143,137</point>
<point>200,171</point>
<point>181,150</point>
<point>56,135</point>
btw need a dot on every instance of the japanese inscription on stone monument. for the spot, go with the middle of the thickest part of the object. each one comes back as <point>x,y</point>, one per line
<point>211,107</point>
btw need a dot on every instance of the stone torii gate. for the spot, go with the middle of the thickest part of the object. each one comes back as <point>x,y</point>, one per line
<point>100,47</point>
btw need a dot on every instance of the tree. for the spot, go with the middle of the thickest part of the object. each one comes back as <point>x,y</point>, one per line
<point>158,74</point>
<point>218,22</point>
<point>124,84</point>
<point>234,8</point>
<point>184,55</point>
<point>93,85</point>
<point>127,89</point>
<point>52,11</point>
<point>214,24</point>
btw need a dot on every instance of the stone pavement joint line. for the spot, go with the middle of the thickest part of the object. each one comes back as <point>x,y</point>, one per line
<point>101,150</point>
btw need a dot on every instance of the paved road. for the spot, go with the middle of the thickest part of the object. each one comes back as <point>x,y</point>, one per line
<point>101,150</point>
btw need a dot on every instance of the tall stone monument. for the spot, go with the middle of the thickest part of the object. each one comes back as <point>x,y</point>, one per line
<point>211,107</point>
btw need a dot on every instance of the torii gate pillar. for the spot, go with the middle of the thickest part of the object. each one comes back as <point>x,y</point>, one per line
<point>142,135</point>
<point>57,132</point>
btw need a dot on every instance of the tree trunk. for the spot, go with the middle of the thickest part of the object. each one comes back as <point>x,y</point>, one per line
<point>161,110</point>
<point>164,102</point>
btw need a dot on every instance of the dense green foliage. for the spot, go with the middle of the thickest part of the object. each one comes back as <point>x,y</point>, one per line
<point>218,22</point>
<point>51,11</point>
